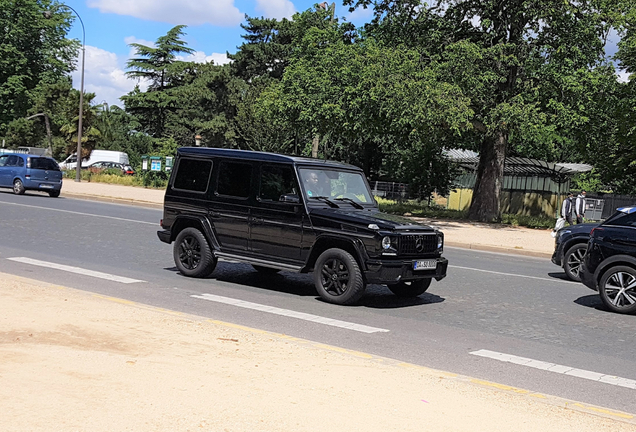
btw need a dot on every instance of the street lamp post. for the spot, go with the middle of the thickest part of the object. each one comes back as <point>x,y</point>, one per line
<point>49,14</point>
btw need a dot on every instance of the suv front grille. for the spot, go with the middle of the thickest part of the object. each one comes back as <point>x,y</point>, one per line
<point>417,244</point>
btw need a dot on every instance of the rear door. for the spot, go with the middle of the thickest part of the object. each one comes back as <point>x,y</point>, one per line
<point>229,210</point>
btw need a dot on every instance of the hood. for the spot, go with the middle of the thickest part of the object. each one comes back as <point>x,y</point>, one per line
<point>330,217</point>
<point>584,228</point>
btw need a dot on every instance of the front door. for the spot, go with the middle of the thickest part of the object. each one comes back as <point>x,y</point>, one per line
<point>4,171</point>
<point>277,216</point>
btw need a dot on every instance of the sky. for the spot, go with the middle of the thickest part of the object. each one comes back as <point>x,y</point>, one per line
<point>213,29</point>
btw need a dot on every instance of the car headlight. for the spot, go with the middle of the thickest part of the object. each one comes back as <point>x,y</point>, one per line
<point>440,242</point>
<point>386,243</point>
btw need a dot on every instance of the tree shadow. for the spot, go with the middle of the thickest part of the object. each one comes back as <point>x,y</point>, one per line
<point>302,284</point>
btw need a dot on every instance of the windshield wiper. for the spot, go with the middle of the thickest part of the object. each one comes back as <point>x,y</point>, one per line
<point>352,202</point>
<point>327,200</point>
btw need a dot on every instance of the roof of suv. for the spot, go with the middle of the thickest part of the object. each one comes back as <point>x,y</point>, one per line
<point>262,156</point>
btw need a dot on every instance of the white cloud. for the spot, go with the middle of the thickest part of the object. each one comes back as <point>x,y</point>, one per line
<point>623,76</point>
<point>201,57</point>
<point>103,75</point>
<point>132,39</point>
<point>188,12</point>
<point>360,14</point>
<point>276,8</point>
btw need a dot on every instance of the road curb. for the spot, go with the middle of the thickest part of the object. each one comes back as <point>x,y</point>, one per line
<point>115,200</point>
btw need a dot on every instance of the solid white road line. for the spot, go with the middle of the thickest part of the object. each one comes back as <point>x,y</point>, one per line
<point>552,367</point>
<point>76,270</point>
<point>290,313</point>
<point>85,214</point>
<point>512,274</point>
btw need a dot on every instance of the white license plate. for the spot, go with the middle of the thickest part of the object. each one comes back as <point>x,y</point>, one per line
<point>46,186</point>
<point>425,264</point>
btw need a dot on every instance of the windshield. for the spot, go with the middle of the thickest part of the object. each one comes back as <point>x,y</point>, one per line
<point>335,185</point>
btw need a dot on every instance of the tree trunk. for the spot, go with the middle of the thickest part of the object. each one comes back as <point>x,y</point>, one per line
<point>486,204</point>
<point>314,146</point>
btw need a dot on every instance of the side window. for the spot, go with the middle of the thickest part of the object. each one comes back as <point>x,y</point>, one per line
<point>13,161</point>
<point>277,181</point>
<point>628,220</point>
<point>3,160</point>
<point>234,179</point>
<point>193,175</point>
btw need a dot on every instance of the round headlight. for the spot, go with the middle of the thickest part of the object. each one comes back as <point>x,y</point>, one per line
<point>386,243</point>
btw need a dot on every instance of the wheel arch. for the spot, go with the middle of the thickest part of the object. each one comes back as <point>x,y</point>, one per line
<point>200,223</point>
<point>322,243</point>
<point>613,261</point>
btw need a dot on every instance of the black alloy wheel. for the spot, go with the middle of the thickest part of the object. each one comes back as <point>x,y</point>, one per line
<point>411,288</point>
<point>617,289</point>
<point>338,278</point>
<point>572,261</point>
<point>192,254</point>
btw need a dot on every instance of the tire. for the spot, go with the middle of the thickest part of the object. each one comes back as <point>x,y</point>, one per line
<point>617,289</point>
<point>192,254</point>
<point>338,278</point>
<point>18,187</point>
<point>265,270</point>
<point>54,194</point>
<point>572,261</point>
<point>411,288</point>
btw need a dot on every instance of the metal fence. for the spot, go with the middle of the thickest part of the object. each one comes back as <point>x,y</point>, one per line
<point>610,203</point>
<point>390,190</point>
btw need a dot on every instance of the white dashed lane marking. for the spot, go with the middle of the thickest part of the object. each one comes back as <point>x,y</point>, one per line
<point>290,313</point>
<point>556,368</point>
<point>75,270</point>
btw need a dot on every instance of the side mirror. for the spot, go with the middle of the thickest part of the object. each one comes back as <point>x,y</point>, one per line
<point>293,199</point>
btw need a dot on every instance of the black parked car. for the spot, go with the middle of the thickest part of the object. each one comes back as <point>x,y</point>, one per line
<point>570,246</point>
<point>609,266</point>
<point>298,214</point>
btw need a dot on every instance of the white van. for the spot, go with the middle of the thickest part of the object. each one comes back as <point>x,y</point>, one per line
<point>96,156</point>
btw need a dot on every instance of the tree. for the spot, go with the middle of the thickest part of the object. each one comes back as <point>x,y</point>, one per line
<point>33,51</point>
<point>514,60</point>
<point>159,68</point>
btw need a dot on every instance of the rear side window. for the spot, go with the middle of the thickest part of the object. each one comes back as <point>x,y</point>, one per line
<point>193,175</point>
<point>44,164</point>
<point>234,179</point>
<point>15,161</point>
<point>622,219</point>
<point>277,181</point>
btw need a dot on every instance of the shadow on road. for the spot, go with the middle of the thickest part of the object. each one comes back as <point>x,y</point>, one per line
<point>300,284</point>
<point>560,276</point>
<point>591,301</point>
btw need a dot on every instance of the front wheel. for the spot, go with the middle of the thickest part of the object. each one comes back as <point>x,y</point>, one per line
<point>18,187</point>
<point>572,261</point>
<point>617,289</point>
<point>192,254</point>
<point>411,288</point>
<point>338,278</point>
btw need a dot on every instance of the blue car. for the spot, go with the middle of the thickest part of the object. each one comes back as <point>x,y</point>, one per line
<point>23,172</point>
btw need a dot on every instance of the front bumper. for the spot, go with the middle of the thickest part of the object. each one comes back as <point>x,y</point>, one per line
<point>388,272</point>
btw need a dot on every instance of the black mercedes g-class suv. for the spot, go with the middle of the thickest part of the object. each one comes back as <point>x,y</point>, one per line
<point>298,214</point>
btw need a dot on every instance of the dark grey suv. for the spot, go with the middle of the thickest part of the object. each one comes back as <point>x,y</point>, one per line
<point>297,214</point>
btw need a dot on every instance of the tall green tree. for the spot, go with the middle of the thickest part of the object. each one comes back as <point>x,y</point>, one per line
<point>33,51</point>
<point>517,61</point>
<point>159,68</point>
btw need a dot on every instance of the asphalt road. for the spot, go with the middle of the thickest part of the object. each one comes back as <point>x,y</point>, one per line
<point>510,305</point>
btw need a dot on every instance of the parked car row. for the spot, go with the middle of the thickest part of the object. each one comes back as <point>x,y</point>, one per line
<point>100,166</point>
<point>603,257</point>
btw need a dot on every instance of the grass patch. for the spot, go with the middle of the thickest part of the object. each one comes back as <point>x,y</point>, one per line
<point>421,209</point>
<point>147,180</point>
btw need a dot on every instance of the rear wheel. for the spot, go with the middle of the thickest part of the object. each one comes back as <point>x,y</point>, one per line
<point>18,187</point>
<point>192,254</point>
<point>617,289</point>
<point>411,288</point>
<point>338,278</point>
<point>54,194</point>
<point>265,270</point>
<point>572,261</point>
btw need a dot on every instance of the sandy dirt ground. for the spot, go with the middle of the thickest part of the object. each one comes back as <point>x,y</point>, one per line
<point>75,361</point>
